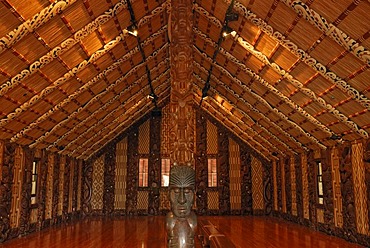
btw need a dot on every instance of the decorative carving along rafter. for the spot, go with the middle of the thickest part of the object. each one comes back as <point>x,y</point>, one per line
<point>62,48</point>
<point>249,118</point>
<point>301,54</point>
<point>211,110</point>
<point>89,84</point>
<point>125,124</point>
<point>60,81</point>
<point>329,29</point>
<point>116,98</point>
<point>33,23</point>
<point>287,100</point>
<point>308,92</point>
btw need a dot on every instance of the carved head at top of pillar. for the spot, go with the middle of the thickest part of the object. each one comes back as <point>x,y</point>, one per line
<point>181,190</point>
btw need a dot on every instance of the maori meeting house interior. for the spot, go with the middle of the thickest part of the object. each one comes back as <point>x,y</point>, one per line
<point>267,100</point>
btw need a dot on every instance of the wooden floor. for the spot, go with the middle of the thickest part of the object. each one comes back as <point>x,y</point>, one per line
<point>149,232</point>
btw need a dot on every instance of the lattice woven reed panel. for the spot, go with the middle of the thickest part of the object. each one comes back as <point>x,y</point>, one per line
<point>17,187</point>
<point>144,137</point>
<point>283,183</point>
<point>359,188</point>
<point>257,184</point>
<point>79,186</point>
<point>165,201</point>
<point>306,211</point>
<point>165,135</point>
<point>275,185</point>
<point>142,200</point>
<point>49,187</point>
<point>121,175</point>
<point>234,172</point>
<point>212,147</point>
<point>71,175</point>
<point>337,193</point>
<point>213,200</point>
<point>61,185</point>
<point>293,187</point>
<point>98,184</point>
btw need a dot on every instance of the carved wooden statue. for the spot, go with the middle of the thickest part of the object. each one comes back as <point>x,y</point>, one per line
<point>181,222</point>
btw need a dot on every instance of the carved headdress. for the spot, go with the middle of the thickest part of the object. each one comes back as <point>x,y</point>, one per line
<point>182,176</point>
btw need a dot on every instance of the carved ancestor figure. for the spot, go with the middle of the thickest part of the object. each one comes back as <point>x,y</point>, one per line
<point>181,221</point>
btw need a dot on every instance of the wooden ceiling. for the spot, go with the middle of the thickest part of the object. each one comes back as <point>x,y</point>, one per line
<point>295,76</point>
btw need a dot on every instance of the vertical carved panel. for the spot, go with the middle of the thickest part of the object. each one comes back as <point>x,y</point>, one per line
<point>299,187</point>
<point>132,173</point>
<point>154,164</point>
<point>312,195</point>
<point>67,171</point>
<point>279,186</point>
<point>7,154</point>
<point>76,175</point>
<point>267,187</point>
<point>24,223</point>
<point>61,185</point>
<point>359,188</point>
<point>98,185</point>
<point>120,177</point>
<point>257,186</point>
<point>70,188</point>
<point>56,183</point>
<point>201,163</point>
<point>181,103</point>
<point>41,196</point>
<point>288,188</point>
<point>367,175</point>
<point>109,172</point>
<point>223,168</point>
<point>87,187</point>
<point>165,131</point>
<point>79,186</point>
<point>283,185</point>
<point>49,187</point>
<point>234,157</point>
<point>18,172</point>
<point>328,194</point>
<point>349,212</point>
<point>246,184</point>
<point>275,185</point>
<point>337,195</point>
<point>305,191</point>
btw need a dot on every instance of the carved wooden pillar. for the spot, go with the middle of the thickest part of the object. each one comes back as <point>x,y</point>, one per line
<point>201,162</point>
<point>299,188</point>
<point>246,182</point>
<point>154,163</point>
<point>87,187</point>
<point>132,172</point>
<point>109,173</point>
<point>223,168</point>
<point>267,186</point>
<point>24,221</point>
<point>67,168</point>
<point>367,174</point>
<point>312,195</point>
<point>288,196</point>
<point>41,201</point>
<point>7,154</point>
<point>279,186</point>
<point>75,186</point>
<point>181,100</point>
<point>56,188</point>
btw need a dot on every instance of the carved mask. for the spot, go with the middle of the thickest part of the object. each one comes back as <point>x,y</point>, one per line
<point>181,187</point>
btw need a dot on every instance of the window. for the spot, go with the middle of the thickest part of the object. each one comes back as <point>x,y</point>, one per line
<point>143,172</point>
<point>34,183</point>
<point>212,172</point>
<point>165,171</point>
<point>320,188</point>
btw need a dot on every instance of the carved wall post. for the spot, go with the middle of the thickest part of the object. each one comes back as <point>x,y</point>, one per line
<point>246,182</point>
<point>24,222</point>
<point>154,163</point>
<point>87,187</point>
<point>299,188</point>
<point>132,172</point>
<point>56,188</point>
<point>223,168</point>
<point>267,187</point>
<point>181,100</point>
<point>109,172</point>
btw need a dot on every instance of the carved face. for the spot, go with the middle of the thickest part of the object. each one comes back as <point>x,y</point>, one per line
<point>182,182</point>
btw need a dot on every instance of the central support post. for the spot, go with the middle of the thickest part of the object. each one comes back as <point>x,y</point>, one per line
<point>182,121</point>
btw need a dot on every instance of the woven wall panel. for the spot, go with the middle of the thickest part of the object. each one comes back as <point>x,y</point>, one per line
<point>299,187</point>
<point>275,185</point>
<point>144,138</point>
<point>306,211</point>
<point>17,187</point>
<point>61,185</point>
<point>212,147</point>
<point>121,175</point>
<point>234,172</point>
<point>97,184</point>
<point>71,176</point>
<point>293,186</point>
<point>49,187</point>
<point>337,194</point>
<point>142,200</point>
<point>257,184</point>
<point>165,136</point>
<point>283,187</point>
<point>213,200</point>
<point>359,188</point>
<point>164,199</point>
<point>320,215</point>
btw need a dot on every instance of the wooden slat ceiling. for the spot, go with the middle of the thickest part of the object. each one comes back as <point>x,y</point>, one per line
<point>294,77</point>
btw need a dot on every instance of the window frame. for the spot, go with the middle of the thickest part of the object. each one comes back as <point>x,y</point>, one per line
<point>212,175</point>
<point>34,182</point>
<point>167,173</point>
<point>319,184</point>
<point>143,175</point>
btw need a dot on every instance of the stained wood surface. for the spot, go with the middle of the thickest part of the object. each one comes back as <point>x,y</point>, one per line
<point>150,232</point>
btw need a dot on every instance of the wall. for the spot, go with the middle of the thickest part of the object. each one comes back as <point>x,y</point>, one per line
<point>243,184</point>
<point>59,190</point>
<point>346,181</point>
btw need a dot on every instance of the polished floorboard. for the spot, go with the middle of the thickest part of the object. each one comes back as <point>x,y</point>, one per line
<point>142,232</point>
